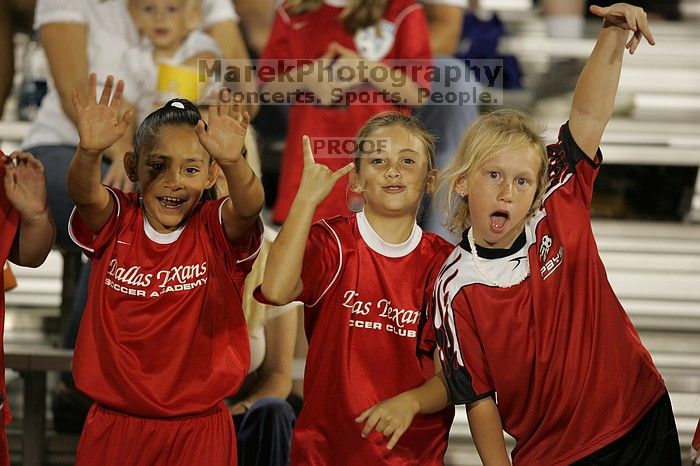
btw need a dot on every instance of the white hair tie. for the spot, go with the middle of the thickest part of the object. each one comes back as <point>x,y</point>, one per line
<point>177,104</point>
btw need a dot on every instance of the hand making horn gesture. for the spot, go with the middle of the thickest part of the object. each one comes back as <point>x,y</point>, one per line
<point>318,180</point>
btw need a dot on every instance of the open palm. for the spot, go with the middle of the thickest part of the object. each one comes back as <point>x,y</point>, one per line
<point>227,126</point>
<point>25,183</point>
<point>99,122</point>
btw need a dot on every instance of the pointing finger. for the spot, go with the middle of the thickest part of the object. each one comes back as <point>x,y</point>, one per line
<point>308,153</point>
<point>598,10</point>
<point>343,171</point>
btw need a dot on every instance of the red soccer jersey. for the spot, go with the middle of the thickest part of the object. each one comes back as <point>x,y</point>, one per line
<point>9,222</point>
<point>304,38</point>
<point>363,306</point>
<point>570,372</point>
<point>163,332</point>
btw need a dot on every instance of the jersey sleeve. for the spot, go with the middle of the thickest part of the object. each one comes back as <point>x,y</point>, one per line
<point>241,253</point>
<point>94,245</point>
<point>322,265</point>
<point>461,352</point>
<point>59,11</point>
<point>277,55</point>
<point>571,172</point>
<point>413,43</point>
<point>137,66</point>
<point>198,43</point>
<point>216,11</point>
<point>426,331</point>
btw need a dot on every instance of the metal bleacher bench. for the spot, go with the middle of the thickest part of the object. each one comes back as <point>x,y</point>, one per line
<point>33,362</point>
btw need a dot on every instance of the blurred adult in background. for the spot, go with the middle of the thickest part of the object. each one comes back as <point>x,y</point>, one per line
<point>257,17</point>
<point>447,121</point>
<point>15,16</point>
<point>82,36</point>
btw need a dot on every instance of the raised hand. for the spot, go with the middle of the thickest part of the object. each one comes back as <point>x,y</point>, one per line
<point>227,126</point>
<point>318,180</point>
<point>628,18</point>
<point>391,417</point>
<point>25,184</point>
<point>100,124</point>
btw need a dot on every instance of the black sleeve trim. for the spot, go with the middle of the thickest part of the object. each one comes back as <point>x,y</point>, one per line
<point>574,153</point>
<point>460,389</point>
<point>490,394</point>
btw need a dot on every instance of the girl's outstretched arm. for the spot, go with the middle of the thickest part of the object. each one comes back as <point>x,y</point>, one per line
<point>594,96</point>
<point>100,125</point>
<point>25,188</point>
<point>393,417</point>
<point>282,282</point>
<point>224,139</point>
<point>487,432</point>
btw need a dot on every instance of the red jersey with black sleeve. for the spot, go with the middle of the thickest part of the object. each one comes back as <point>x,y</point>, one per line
<point>9,224</point>
<point>300,39</point>
<point>364,299</point>
<point>163,333</point>
<point>568,369</point>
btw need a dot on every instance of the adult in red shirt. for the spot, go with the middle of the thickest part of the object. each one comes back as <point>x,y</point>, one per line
<point>531,333</point>
<point>368,37</point>
<point>365,280</point>
<point>27,233</point>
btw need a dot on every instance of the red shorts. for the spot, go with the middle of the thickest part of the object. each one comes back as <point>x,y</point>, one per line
<point>114,438</point>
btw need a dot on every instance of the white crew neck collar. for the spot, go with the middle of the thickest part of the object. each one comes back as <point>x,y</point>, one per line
<point>377,244</point>
<point>336,3</point>
<point>161,238</point>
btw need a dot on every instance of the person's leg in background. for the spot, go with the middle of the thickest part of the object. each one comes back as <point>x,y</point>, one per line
<point>446,121</point>
<point>564,19</point>
<point>15,16</point>
<point>264,433</point>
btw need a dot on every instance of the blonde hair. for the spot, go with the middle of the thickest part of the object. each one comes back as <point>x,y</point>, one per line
<point>490,135</point>
<point>407,122</point>
<point>358,14</point>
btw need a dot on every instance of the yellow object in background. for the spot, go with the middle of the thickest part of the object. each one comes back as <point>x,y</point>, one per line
<point>178,81</point>
<point>8,277</point>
